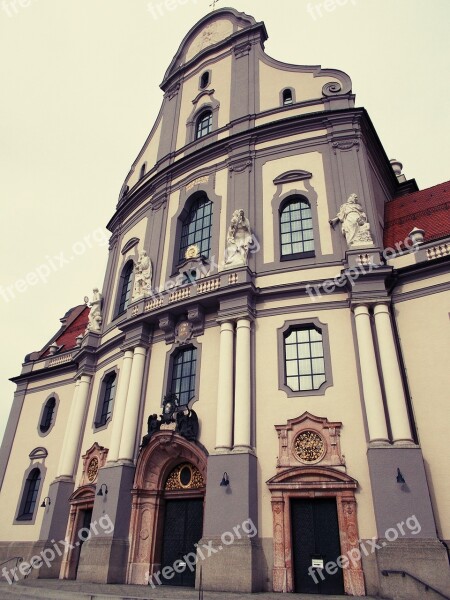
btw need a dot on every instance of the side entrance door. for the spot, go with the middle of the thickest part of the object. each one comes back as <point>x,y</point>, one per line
<point>183,527</point>
<point>315,537</point>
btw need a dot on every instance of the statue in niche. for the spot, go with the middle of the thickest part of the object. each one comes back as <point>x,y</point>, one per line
<point>142,276</point>
<point>95,314</point>
<point>355,226</point>
<point>239,240</point>
<point>187,424</point>
<point>153,425</point>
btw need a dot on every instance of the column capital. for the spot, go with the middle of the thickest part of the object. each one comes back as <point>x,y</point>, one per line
<point>381,307</point>
<point>361,308</point>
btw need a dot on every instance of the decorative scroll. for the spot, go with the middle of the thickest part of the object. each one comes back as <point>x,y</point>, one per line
<point>185,477</point>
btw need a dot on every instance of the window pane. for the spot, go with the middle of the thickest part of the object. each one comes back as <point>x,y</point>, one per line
<point>304,364</point>
<point>196,228</point>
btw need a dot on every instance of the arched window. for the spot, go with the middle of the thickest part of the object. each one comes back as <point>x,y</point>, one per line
<point>47,415</point>
<point>183,374</point>
<point>204,80</point>
<point>196,228</point>
<point>143,169</point>
<point>125,287</point>
<point>29,496</point>
<point>287,97</point>
<point>296,229</point>
<point>106,399</point>
<point>204,124</point>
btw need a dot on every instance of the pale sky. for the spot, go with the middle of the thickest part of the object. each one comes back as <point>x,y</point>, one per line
<point>80,92</point>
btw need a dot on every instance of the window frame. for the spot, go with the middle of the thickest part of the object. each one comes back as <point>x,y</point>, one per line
<point>183,223</point>
<point>41,416</point>
<point>282,333</point>
<point>283,205</point>
<point>207,102</point>
<point>168,371</point>
<point>200,119</point>
<point>201,85</point>
<point>282,93</point>
<point>120,288</point>
<point>98,425</point>
<point>29,518</point>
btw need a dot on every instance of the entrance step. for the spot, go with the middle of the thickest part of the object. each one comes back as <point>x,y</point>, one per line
<point>55,589</point>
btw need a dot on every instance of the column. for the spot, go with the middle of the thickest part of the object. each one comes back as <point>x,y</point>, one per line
<point>242,396</point>
<point>128,442</point>
<point>69,454</point>
<point>120,403</point>
<point>373,399</point>
<point>224,427</point>
<point>395,397</point>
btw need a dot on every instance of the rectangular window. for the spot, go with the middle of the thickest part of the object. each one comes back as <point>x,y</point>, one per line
<point>183,375</point>
<point>304,359</point>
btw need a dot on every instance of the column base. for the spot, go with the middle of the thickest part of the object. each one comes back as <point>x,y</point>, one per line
<point>235,568</point>
<point>230,523</point>
<point>54,524</point>
<point>395,502</point>
<point>103,558</point>
<point>425,559</point>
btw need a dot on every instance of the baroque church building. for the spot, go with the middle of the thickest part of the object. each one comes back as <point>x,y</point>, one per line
<point>254,398</point>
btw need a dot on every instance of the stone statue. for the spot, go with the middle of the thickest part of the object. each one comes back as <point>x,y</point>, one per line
<point>142,276</point>
<point>355,226</point>
<point>187,424</point>
<point>95,314</point>
<point>153,425</point>
<point>239,240</point>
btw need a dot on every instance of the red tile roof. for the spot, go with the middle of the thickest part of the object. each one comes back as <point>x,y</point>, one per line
<point>426,209</point>
<point>74,323</point>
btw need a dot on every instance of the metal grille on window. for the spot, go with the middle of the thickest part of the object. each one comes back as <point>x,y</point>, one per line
<point>305,364</point>
<point>183,375</point>
<point>31,491</point>
<point>296,229</point>
<point>125,286</point>
<point>204,124</point>
<point>197,228</point>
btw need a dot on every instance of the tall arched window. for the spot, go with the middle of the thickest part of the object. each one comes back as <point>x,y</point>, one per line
<point>183,375</point>
<point>296,229</point>
<point>47,415</point>
<point>29,496</point>
<point>196,228</point>
<point>204,124</point>
<point>126,280</point>
<point>106,400</point>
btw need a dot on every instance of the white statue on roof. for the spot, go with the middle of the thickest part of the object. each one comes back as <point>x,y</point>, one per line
<point>142,276</point>
<point>355,225</point>
<point>95,314</point>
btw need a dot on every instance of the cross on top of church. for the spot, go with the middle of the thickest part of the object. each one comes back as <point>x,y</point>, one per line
<point>214,2</point>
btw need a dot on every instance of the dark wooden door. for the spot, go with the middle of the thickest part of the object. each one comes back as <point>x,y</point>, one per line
<point>183,527</point>
<point>86,517</point>
<point>315,536</point>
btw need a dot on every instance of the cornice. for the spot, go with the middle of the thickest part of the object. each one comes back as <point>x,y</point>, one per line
<point>192,160</point>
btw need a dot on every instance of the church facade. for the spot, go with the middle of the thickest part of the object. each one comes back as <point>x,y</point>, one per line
<point>251,400</point>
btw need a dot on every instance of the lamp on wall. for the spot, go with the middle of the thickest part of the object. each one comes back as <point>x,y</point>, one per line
<point>101,492</point>
<point>225,480</point>
<point>400,478</point>
<point>45,503</point>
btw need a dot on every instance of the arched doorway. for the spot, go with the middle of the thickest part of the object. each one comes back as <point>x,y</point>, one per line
<point>81,505</point>
<point>167,507</point>
<point>313,494</point>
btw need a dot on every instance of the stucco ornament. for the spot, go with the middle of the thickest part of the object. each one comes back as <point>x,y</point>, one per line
<point>355,226</point>
<point>239,240</point>
<point>95,314</point>
<point>142,276</point>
